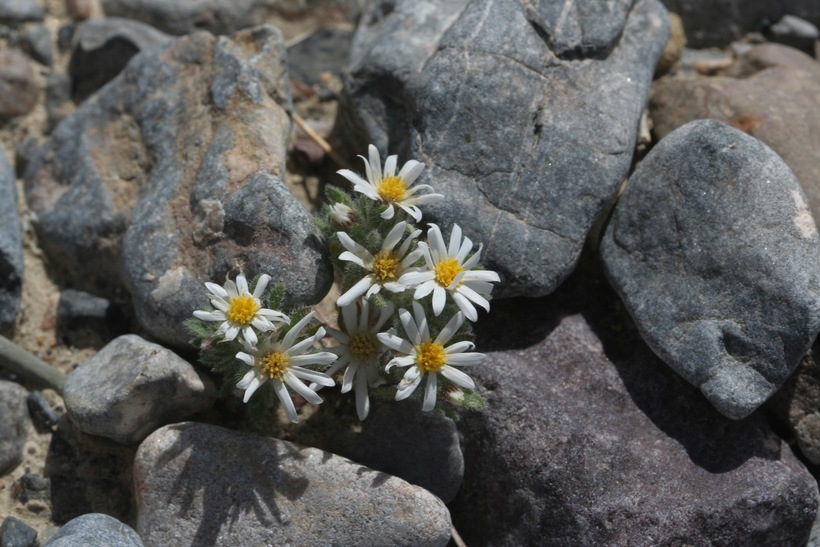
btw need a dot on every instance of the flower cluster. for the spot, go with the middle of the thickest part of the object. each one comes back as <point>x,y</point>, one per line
<point>390,278</point>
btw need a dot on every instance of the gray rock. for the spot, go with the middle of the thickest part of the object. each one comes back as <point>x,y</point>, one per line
<point>718,22</point>
<point>420,447</point>
<point>14,425</point>
<point>713,249</point>
<point>37,43</point>
<point>65,35</point>
<point>795,32</point>
<point>11,247</point>
<point>526,117</point>
<point>187,16</point>
<point>232,488</point>
<point>18,88</point>
<point>325,50</point>
<point>16,533</point>
<point>772,93</point>
<point>588,439</point>
<point>26,149</point>
<point>103,48</point>
<point>40,411</point>
<point>85,320</point>
<point>58,98</point>
<point>95,530</point>
<point>131,387</point>
<point>172,159</point>
<point>19,11</point>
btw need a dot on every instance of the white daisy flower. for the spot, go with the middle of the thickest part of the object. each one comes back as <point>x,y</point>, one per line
<point>240,311</point>
<point>390,188</point>
<point>358,350</point>
<point>427,356</point>
<point>385,268</point>
<point>281,362</point>
<point>449,273</point>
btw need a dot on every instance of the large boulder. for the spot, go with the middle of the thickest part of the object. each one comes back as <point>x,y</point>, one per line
<point>11,247</point>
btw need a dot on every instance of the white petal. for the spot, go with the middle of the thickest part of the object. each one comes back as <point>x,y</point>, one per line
<point>241,284</point>
<point>388,213</point>
<point>474,296</point>
<point>421,322</point>
<point>466,359</point>
<point>400,362</point>
<point>390,166</point>
<point>287,403</point>
<point>231,333</point>
<point>408,241</point>
<point>352,177</point>
<point>411,279</point>
<point>216,289</point>
<point>375,163</point>
<point>348,243</point>
<point>436,242</point>
<point>457,377</point>
<point>450,329</point>
<point>215,315</point>
<point>481,275</point>
<point>465,306</point>
<point>250,335</point>
<point>395,343</point>
<point>362,400</point>
<point>425,199</point>
<point>246,358</point>
<point>385,314</point>
<point>347,256</point>
<point>466,247</point>
<point>411,171</point>
<point>220,304</point>
<point>430,393</point>
<point>299,387</point>
<point>425,288</point>
<point>409,383</point>
<point>246,380</point>
<point>455,240</point>
<point>253,385</point>
<point>261,285</point>
<point>411,210</point>
<point>459,347</point>
<point>262,324</point>
<point>355,291</point>
<point>347,379</point>
<point>439,298</point>
<point>394,236</point>
<point>410,327</point>
<point>321,358</point>
<point>296,330</point>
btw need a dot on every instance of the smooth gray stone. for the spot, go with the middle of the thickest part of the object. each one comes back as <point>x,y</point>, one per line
<point>588,439</point>
<point>19,11</point>
<point>420,447</point>
<point>526,117</point>
<point>102,49</point>
<point>14,425</point>
<point>714,251</point>
<point>172,176</point>
<point>19,90</point>
<point>232,488</point>
<point>795,32</point>
<point>37,43</point>
<point>11,247</point>
<point>95,530</point>
<point>16,533</point>
<point>131,387</point>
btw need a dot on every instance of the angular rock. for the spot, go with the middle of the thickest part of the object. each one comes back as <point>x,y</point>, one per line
<point>131,387</point>
<point>18,88</point>
<point>506,105</point>
<point>232,488</point>
<point>771,93</point>
<point>718,22</point>
<point>419,447</point>
<point>85,320</point>
<point>103,48</point>
<point>713,249</point>
<point>16,533</point>
<point>324,50</point>
<point>14,425</point>
<point>19,11</point>
<point>173,177</point>
<point>187,16</point>
<point>95,530</point>
<point>11,247</point>
<point>587,439</point>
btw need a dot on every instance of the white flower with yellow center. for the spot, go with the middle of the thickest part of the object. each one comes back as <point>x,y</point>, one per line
<point>342,215</point>
<point>282,362</point>
<point>391,188</point>
<point>240,311</point>
<point>448,272</point>
<point>385,268</point>
<point>359,350</point>
<point>429,357</point>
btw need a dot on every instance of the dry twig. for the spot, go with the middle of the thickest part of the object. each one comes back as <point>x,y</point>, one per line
<point>29,367</point>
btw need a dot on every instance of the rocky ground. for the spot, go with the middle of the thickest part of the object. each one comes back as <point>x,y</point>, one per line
<point>650,376</point>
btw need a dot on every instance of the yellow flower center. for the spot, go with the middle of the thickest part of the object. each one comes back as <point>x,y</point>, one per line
<point>447,270</point>
<point>385,266</point>
<point>275,364</point>
<point>362,346</point>
<point>241,309</point>
<point>391,189</point>
<point>430,357</point>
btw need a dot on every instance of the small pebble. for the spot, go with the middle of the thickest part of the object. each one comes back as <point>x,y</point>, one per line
<point>16,533</point>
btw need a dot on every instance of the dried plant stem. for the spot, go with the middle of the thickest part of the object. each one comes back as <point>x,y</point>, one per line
<point>456,537</point>
<point>29,367</point>
<point>315,137</point>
